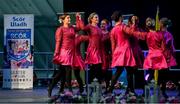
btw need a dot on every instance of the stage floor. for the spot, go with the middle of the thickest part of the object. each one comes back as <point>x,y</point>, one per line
<point>39,95</point>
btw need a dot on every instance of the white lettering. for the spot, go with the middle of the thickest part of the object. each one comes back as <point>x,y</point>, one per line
<point>18,36</point>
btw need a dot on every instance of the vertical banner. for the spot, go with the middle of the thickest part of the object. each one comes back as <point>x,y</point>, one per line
<point>18,43</point>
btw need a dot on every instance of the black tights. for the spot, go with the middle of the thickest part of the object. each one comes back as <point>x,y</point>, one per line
<point>130,79</point>
<point>79,80</point>
<point>130,72</point>
<point>63,74</point>
<point>107,75</point>
<point>115,77</point>
<point>95,72</point>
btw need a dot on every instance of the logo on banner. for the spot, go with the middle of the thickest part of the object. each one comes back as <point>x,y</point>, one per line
<point>18,46</point>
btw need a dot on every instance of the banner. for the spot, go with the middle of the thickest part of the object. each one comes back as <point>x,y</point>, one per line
<point>18,43</point>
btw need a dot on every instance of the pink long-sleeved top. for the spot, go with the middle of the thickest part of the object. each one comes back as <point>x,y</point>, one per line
<point>78,60</point>
<point>169,49</point>
<point>122,54</point>
<point>94,53</point>
<point>106,48</point>
<point>156,59</point>
<point>138,54</point>
<point>65,45</point>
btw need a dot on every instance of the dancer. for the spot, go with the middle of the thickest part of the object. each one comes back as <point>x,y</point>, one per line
<point>63,54</point>
<point>135,42</point>
<point>133,22</point>
<point>106,57</point>
<point>169,42</point>
<point>155,59</point>
<point>79,64</point>
<point>169,52</point>
<point>122,54</point>
<point>93,56</point>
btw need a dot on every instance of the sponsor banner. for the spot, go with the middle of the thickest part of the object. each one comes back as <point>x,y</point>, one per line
<point>18,43</point>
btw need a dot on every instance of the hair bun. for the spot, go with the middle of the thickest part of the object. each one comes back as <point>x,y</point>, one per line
<point>166,22</point>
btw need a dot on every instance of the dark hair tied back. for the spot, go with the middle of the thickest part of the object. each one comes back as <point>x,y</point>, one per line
<point>116,16</point>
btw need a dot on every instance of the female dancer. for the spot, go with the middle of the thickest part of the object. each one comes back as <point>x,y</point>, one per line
<point>169,42</point>
<point>93,56</point>
<point>106,52</point>
<point>122,54</point>
<point>139,58</point>
<point>169,52</point>
<point>63,54</point>
<point>78,63</point>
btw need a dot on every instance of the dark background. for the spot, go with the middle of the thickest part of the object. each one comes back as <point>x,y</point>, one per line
<point>141,8</point>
